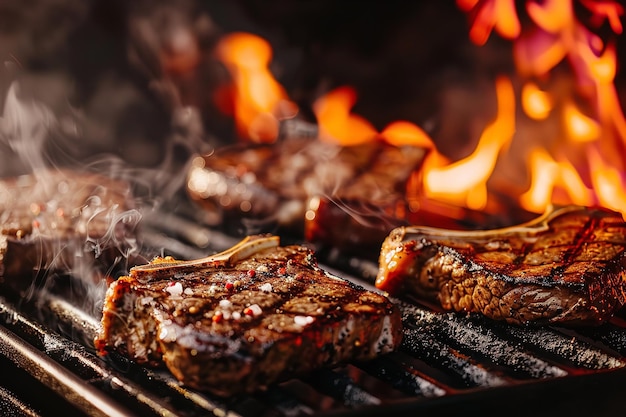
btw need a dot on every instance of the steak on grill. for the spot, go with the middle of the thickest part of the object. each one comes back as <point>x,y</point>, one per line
<point>240,320</point>
<point>567,266</point>
<point>270,186</point>
<point>60,220</point>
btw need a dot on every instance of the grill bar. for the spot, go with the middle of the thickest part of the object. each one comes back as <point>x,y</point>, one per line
<point>446,361</point>
<point>61,380</point>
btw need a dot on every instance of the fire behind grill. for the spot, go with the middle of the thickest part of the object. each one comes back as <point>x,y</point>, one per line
<point>448,364</point>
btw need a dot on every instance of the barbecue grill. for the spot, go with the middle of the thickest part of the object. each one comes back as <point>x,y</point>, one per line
<point>448,363</point>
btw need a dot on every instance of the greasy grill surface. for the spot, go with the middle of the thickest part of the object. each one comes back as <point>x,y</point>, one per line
<point>447,363</point>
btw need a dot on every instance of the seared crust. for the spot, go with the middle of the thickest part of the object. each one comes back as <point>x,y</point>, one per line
<point>53,219</point>
<point>279,185</point>
<point>567,267</point>
<point>240,327</point>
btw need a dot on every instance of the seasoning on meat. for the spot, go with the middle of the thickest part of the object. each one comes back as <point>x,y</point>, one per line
<point>567,266</point>
<point>54,220</point>
<point>240,320</point>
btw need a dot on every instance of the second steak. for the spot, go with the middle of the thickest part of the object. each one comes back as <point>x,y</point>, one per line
<point>568,266</point>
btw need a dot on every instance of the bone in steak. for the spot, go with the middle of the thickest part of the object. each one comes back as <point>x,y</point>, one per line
<point>52,220</point>
<point>273,184</point>
<point>567,266</point>
<point>240,320</point>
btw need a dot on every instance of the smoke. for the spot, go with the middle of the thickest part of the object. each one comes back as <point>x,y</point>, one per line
<point>104,89</point>
<point>24,126</point>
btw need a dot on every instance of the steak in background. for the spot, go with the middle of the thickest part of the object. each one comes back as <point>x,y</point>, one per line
<point>566,267</point>
<point>237,323</point>
<point>59,220</point>
<point>270,186</point>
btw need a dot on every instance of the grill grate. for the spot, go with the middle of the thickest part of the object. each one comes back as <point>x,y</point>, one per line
<point>447,363</point>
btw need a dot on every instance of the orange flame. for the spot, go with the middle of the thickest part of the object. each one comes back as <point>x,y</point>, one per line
<point>464,182</point>
<point>536,103</point>
<point>257,95</point>
<point>401,133</point>
<point>498,14</point>
<point>609,10</point>
<point>608,183</point>
<point>336,122</point>
<point>549,175</point>
<point>600,132</point>
<point>584,164</point>
<point>581,128</point>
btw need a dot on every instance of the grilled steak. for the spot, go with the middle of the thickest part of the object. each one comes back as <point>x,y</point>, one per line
<point>61,220</point>
<point>245,318</point>
<point>565,267</point>
<point>269,186</point>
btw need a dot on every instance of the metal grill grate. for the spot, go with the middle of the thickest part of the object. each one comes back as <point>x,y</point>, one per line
<point>447,363</point>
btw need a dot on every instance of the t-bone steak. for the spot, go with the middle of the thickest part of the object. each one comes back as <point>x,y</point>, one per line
<point>240,320</point>
<point>567,267</point>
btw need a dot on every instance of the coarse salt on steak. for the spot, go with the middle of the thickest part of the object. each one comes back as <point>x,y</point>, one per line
<point>245,318</point>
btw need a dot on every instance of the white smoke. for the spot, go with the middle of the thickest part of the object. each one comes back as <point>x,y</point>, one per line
<point>24,128</point>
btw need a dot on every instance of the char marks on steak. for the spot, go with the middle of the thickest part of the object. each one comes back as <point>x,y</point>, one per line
<point>52,219</point>
<point>237,322</point>
<point>567,266</point>
<point>273,185</point>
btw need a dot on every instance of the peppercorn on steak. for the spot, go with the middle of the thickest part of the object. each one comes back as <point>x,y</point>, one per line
<point>245,318</point>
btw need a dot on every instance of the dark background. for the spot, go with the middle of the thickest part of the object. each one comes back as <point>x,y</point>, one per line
<point>110,71</point>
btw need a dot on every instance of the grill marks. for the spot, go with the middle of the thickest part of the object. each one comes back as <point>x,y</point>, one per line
<point>565,267</point>
<point>241,326</point>
<point>441,355</point>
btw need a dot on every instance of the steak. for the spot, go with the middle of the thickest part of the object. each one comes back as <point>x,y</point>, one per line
<point>60,220</point>
<point>245,318</point>
<point>565,267</point>
<point>265,188</point>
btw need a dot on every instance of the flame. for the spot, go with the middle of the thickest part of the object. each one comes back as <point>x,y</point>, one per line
<point>582,164</point>
<point>581,128</point>
<point>401,133</point>
<point>609,10</point>
<point>536,103</point>
<point>600,131</point>
<point>336,122</point>
<point>608,182</point>
<point>549,175</point>
<point>498,14</point>
<point>257,96</point>
<point>464,182</point>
